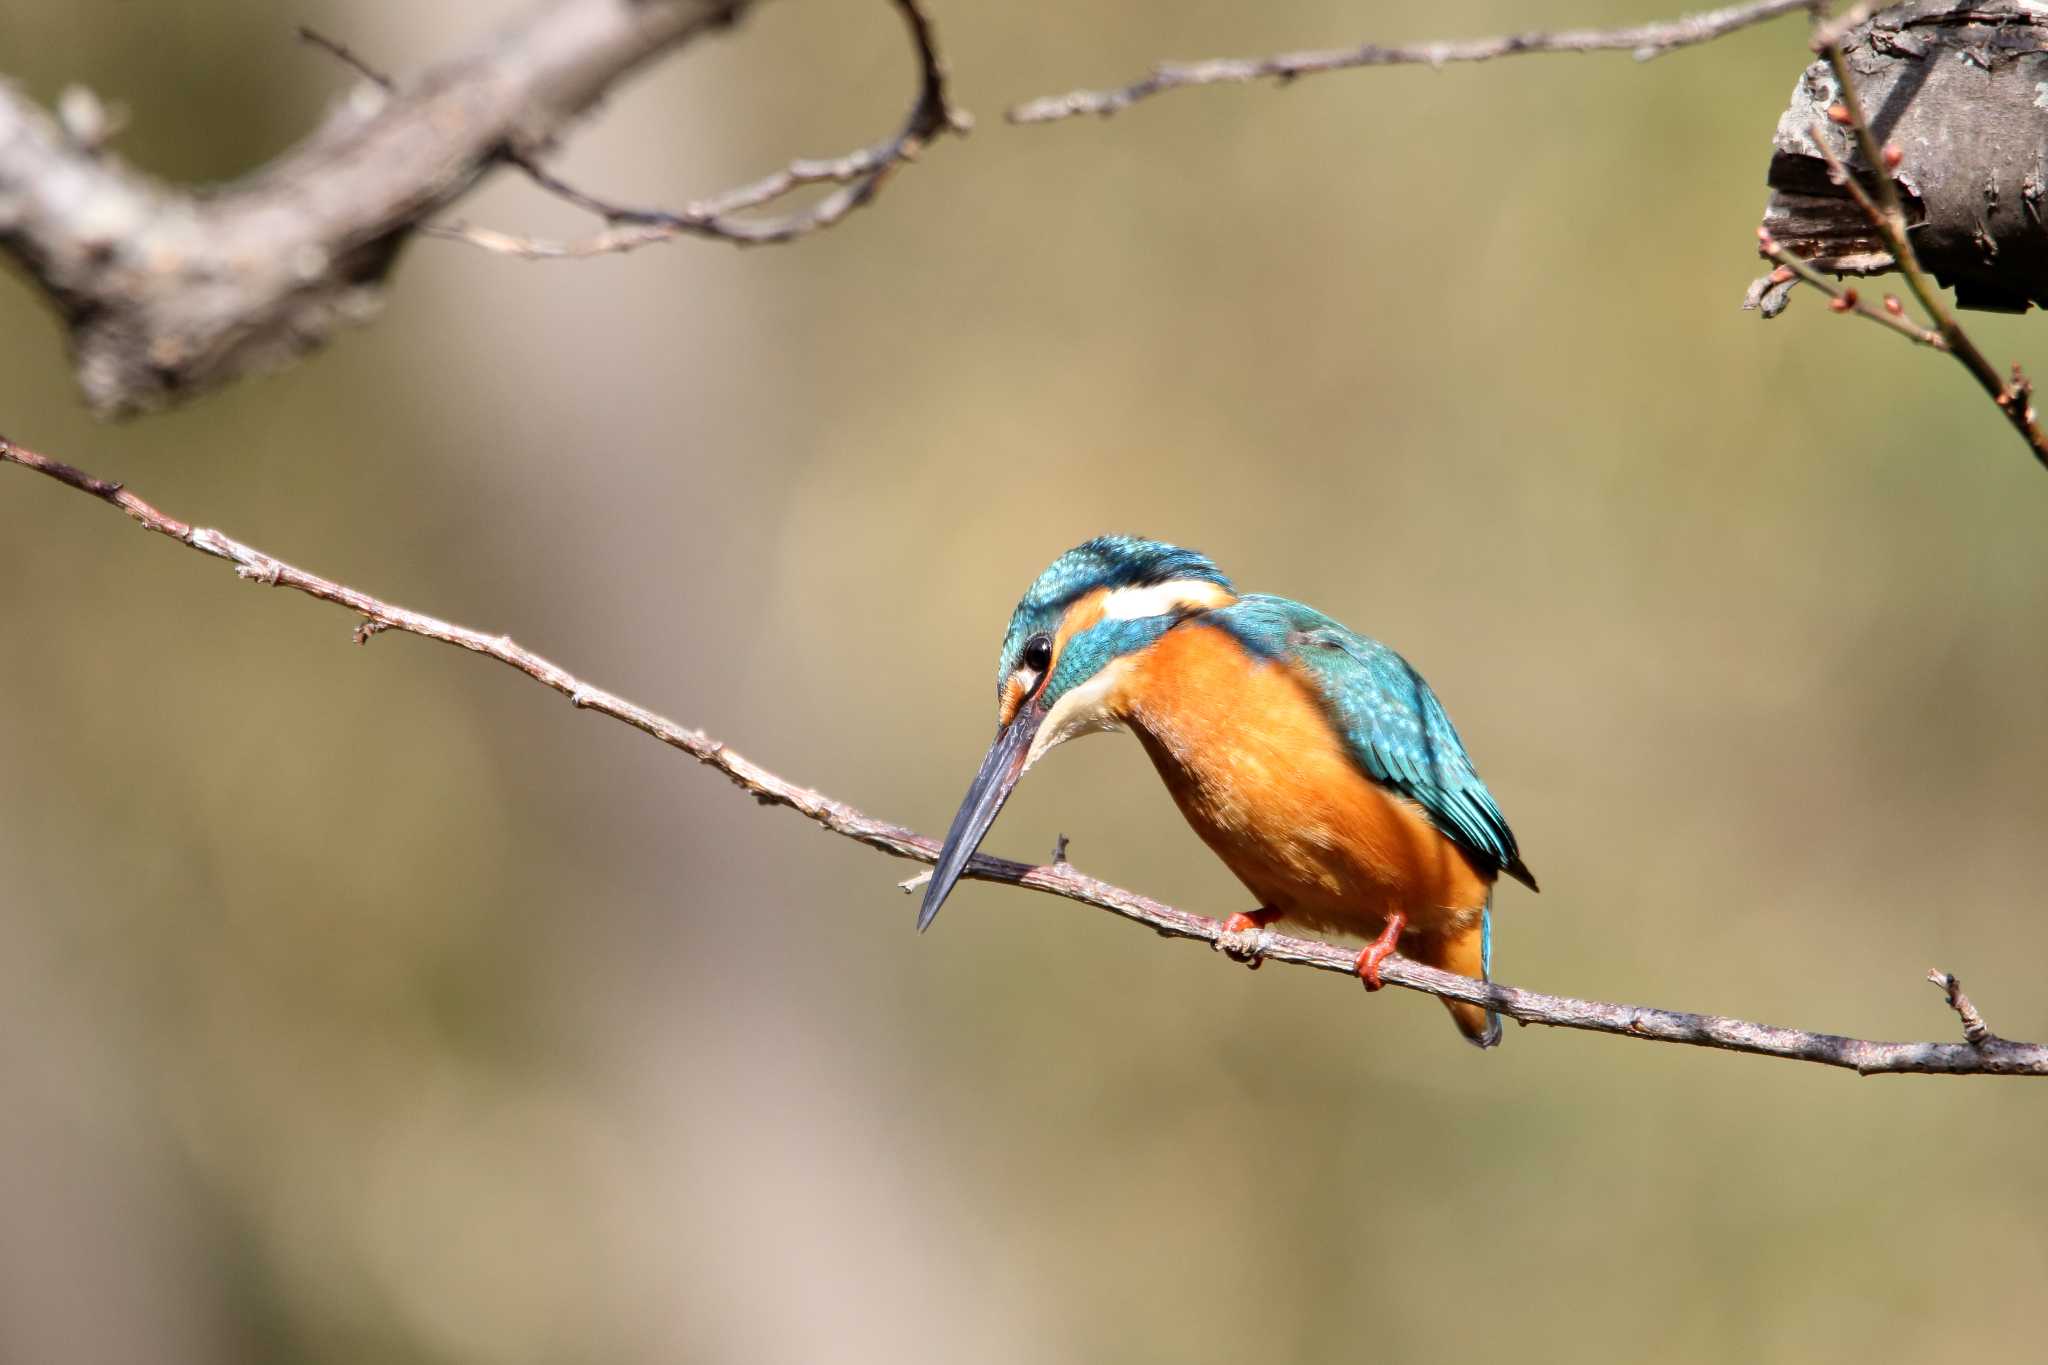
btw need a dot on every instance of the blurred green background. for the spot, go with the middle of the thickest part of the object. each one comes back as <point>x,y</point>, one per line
<point>372,1004</point>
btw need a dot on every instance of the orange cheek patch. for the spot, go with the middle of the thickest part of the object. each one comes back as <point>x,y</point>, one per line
<point>1083,614</point>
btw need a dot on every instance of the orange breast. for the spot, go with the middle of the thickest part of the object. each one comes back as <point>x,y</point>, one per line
<point>1252,761</point>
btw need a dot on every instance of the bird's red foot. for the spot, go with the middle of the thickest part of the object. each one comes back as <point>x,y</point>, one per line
<point>1239,939</point>
<point>1379,950</point>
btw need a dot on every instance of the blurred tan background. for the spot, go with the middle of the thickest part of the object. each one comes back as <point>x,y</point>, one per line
<point>372,1004</point>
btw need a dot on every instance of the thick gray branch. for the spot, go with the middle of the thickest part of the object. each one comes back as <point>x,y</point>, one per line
<point>1981,1054</point>
<point>1957,89</point>
<point>168,291</point>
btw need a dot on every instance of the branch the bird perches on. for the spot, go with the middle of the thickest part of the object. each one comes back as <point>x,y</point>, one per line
<point>1981,1053</point>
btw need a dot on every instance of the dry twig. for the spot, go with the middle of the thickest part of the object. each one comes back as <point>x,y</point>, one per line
<point>1842,299</point>
<point>860,174</point>
<point>1986,1055</point>
<point>346,55</point>
<point>1643,40</point>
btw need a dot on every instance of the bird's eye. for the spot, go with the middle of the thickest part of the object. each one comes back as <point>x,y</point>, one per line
<point>1037,653</point>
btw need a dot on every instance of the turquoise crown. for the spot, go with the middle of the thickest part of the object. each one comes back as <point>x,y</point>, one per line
<point>1106,562</point>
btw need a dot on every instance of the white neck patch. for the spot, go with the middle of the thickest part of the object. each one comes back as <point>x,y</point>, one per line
<point>1135,604</point>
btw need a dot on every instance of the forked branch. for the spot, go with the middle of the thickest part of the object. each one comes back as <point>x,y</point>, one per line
<point>1980,1054</point>
<point>167,291</point>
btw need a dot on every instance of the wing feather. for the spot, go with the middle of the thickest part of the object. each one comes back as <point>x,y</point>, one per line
<point>1394,726</point>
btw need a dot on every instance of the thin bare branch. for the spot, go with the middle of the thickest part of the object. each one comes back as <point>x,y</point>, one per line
<point>1842,299</point>
<point>1985,1056</point>
<point>346,55</point>
<point>1643,40</point>
<point>1840,175</point>
<point>860,174</point>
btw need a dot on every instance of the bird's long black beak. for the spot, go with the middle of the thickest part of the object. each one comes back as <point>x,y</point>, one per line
<point>992,785</point>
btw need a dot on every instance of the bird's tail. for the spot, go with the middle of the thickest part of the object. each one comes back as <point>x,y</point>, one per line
<point>1471,954</point>
<point>1491,1038</point>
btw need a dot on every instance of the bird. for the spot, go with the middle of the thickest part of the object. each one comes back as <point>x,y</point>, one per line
<point>1314,762</point>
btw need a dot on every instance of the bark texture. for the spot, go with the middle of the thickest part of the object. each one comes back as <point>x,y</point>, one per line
<point>1961,90</point>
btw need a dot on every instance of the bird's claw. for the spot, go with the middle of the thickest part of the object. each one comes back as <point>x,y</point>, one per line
<point>1379,950</point>
<point>1243,939</point>
<point>1369,966</point>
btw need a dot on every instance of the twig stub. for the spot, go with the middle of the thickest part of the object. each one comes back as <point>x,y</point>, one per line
<point>1975,1030</point>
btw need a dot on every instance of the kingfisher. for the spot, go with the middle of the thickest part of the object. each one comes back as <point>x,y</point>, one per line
<point>1316,763</point>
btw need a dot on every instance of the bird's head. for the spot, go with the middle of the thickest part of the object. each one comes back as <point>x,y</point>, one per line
<point>1070,642</point>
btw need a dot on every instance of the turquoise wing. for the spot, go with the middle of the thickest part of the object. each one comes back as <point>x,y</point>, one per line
<point>1395,727</point>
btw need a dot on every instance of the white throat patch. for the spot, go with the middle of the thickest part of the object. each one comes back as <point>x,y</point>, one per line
<point>1087,710</point>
